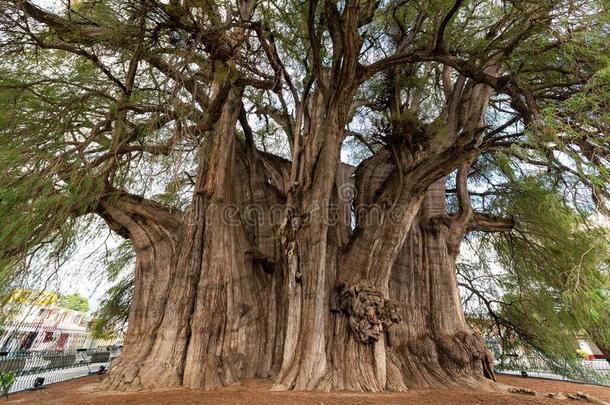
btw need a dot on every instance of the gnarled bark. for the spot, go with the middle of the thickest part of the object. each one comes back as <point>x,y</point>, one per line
<point>225,292</point>
<point>155,233</point>
<point>434,346</point>
<point>302,284</point>
<point>219,319</point>
<point>224,317</point>
<point>310,261</point>
<point>228,327</point>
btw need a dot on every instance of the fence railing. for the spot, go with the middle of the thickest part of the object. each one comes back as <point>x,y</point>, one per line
<point>21,370</point>
<point>584,371</point>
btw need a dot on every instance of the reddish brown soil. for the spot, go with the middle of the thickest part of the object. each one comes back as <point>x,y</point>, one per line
<point>86,391</point>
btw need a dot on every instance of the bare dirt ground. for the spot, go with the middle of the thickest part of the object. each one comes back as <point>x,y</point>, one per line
<point>87,391</point>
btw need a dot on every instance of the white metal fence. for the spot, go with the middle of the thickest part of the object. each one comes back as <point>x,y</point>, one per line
<point>20,370</point>
<point>585,371</point>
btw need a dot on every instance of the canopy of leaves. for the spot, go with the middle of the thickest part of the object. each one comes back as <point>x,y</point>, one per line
<point>114,96</point>
<point>110,319</point>
<point>548,280</point>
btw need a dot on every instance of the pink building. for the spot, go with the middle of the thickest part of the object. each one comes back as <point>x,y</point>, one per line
<point>37,327</point>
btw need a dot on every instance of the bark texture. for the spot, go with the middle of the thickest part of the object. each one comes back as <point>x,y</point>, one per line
<point>264,275</point>
<point>220,298</point>
<point>155,233</point>
<point>207,310</point>
<point>320,275</point>
<point>434,346</point>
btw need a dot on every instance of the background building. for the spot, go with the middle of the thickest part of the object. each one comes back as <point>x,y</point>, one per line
<point>34,322</point>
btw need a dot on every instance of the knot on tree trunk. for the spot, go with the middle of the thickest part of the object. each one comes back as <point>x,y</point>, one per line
<point>369,313</point>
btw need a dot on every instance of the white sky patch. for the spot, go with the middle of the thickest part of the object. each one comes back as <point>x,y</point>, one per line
<point>84,272</point>
<point>51,5</point>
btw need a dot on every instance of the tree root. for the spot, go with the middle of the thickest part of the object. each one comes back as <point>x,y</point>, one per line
<point>463,349</point>
<point>140,375</point>
<point>457,360</point>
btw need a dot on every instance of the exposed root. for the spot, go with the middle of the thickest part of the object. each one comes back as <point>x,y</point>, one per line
<point>454,361</point>
<point>142,375</point>
<point>555,395</point>
<point>465,350</point>
<point>577,396</point>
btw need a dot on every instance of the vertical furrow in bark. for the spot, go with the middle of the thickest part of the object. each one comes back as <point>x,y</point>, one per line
<point>361,358</point>
<point>447,317</point>
<point>227,327</point>
<point>215,299</point>
<point>154,232</point>
<point>412,349</point>
<point>166,361</point>
<point>261,207</point>
<point>434,345</point>
<point>305,241</point>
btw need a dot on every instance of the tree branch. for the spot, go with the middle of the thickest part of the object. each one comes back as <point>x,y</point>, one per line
<point>439,47</point>
<point>489,223</point>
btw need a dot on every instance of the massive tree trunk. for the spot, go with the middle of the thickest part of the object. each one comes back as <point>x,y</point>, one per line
<point>402,326</point>
<point>257,278</point>
<point>310,260</point>
<point>154,231</point>
<point>433,345</point>
<point>206,311</point>
<point>231,292</point>
<point>218,301</point>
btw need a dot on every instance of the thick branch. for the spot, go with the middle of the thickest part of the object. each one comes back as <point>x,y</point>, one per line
<point>438,47</point>
<point>465,212</point>
<point>488,223</point>
<point>126,213</point>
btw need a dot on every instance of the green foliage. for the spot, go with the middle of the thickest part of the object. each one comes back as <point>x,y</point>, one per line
<point>41,192</point>
<point>74,301</point>
<point>6,381</point>
<point>583,120</point>
<point>554,279</point>
<point>111,317</point>
<point>119,260</point>
<point>71,131</point>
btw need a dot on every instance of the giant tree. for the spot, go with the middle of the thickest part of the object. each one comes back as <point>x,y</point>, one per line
<point>211,135</point>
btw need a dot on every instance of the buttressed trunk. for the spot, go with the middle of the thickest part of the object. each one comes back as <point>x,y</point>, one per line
<point>154,231</point>
<point>206,312</point>
<point>215,297</point>
<point>433,346</point>
<point>405,328</point>
<point>310,259</point>
<point>225,293</point>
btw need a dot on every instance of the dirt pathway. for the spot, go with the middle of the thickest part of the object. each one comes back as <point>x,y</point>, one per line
<point>87,391</point>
